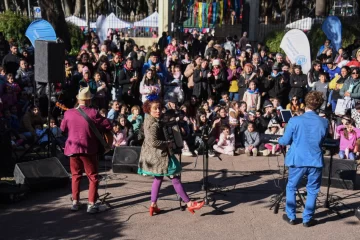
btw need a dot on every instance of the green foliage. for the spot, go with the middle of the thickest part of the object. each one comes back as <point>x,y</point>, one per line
<point>273,40</point>
<point>317,37</point>
<point>76,37</point>
<point>14,25</point>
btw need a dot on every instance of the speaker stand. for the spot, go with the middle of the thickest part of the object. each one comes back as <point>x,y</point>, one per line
<point>327,201</point>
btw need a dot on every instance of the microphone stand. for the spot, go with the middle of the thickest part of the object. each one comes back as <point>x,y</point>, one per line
<point>331,148</point>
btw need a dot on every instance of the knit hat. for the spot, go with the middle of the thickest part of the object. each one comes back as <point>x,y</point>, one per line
<point>216,62</point>
<point>276,67</point>
<point>273,123</point>
<point>252,113</point>
<point>267,103</point>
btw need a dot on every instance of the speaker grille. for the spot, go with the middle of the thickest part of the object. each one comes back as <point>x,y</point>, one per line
<point>49,61</point>
<point>126,159</point>
<point>41,173</point>
<point>343,173</point>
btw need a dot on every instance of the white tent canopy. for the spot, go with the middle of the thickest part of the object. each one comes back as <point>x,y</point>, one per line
<point>77,21</point>
<point>302,24</point>
<point>112,21</point>
<point>93,25</point>
<point>150,21</point>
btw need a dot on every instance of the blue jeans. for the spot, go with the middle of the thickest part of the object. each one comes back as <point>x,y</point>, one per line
<point>312,187</point>
<point>234,96</point>
<point>333,105</point>
<point>352,155</point>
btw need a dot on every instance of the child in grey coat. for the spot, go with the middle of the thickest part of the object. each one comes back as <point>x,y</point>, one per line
<point>251,140</point>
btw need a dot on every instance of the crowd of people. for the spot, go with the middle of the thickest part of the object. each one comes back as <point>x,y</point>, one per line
<point>231,90</point>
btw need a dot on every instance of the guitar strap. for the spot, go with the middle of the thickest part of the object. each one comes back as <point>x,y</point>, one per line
<point>93,128</point>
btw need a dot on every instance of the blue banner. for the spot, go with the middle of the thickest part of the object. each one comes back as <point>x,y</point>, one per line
<point>333,30</point>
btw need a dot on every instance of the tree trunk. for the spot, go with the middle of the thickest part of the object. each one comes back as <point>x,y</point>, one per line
<point>51,10</point>
<point>6,3</point>
<point>68,7</point>
<point>78,5</point>
<point>150,7</point>
<point>320,8</point>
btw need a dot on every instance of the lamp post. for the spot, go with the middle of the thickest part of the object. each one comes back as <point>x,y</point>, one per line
<point>87,15</point>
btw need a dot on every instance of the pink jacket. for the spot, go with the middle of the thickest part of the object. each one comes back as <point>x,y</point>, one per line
<point>347,143</point>
<point>230,141</point>
<point>170,49</point>
<point>120,138</point>
<point>81,139</point>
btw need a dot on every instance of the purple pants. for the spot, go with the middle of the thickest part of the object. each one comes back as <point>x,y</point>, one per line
<point>177,186</point>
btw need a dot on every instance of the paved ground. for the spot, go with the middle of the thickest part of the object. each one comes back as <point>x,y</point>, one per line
<point>249,185</point>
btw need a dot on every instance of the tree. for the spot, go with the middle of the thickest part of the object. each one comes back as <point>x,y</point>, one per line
<point>52,11</point>
<point>68,7</point>
<point>6,3</point>
<point>78,5</point>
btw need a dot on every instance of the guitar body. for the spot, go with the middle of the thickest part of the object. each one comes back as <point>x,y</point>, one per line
<point>108,137</point>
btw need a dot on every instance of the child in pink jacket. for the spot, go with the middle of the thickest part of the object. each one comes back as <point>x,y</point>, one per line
<point>348,136</point>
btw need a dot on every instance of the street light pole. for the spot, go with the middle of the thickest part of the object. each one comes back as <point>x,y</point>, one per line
<point>87,15</point>
<point>28,2</point>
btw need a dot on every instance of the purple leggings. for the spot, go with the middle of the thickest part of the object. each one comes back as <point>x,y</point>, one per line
<point>177,186</point>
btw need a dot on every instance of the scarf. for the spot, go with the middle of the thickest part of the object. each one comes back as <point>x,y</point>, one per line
<point>128,69</point>
<point>216,71</point>
<point>232,67</point>
<point>273,75</point>
<point>253,91</point>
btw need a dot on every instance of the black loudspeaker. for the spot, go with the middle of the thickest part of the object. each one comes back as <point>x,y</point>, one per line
<point>41,174</point>
<point>49,61</point>
<point>343,174</point>
<point>126,159</point>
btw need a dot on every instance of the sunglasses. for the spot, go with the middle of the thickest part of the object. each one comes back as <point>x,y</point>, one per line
<point>355,73</point>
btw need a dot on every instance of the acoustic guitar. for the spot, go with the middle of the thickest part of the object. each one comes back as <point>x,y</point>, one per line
<point>107,135</point>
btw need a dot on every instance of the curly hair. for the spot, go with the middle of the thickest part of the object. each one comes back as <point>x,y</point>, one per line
<point>314,100</point>
<point>147,105</point>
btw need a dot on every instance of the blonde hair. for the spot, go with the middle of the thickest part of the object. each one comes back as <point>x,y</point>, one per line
<point>135,107</point>
<point>211,43</point>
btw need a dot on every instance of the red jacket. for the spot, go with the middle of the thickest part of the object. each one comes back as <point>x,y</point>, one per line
<point>81,138</point>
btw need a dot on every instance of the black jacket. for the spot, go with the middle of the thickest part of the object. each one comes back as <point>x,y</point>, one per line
<point>201,84</point>
<point>11,63</point>
<point>298,85</point>
<point>124,80</point>
<point>277,89</point>
<point>219,85</point>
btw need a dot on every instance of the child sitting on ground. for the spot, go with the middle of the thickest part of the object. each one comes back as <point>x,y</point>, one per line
<point>274,128</point>
<point>226,143</point>
<point>251,140</point>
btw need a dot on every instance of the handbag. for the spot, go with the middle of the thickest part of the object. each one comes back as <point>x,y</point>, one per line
<point>106,146</point>
<point>340,107</point>
<point>344,104</point>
